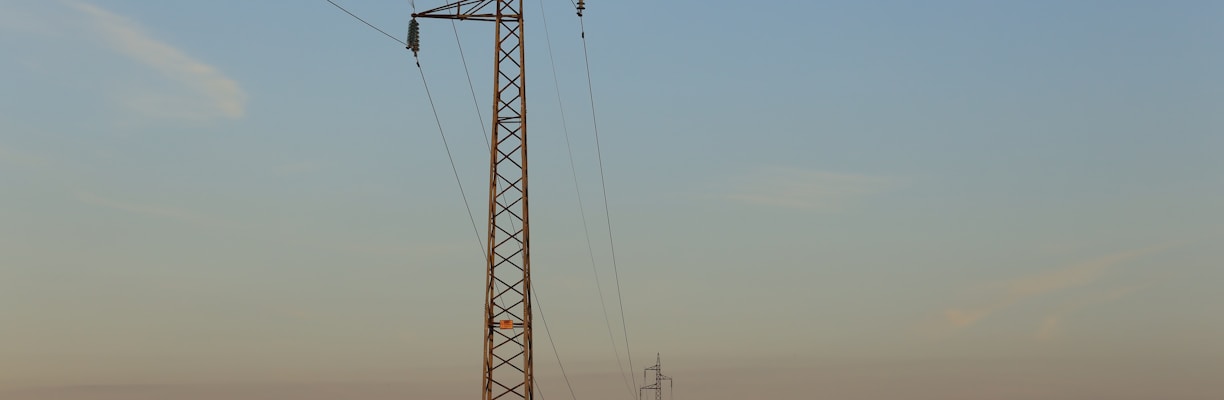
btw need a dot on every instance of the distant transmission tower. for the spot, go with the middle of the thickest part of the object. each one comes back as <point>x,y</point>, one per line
<point>657,386</point>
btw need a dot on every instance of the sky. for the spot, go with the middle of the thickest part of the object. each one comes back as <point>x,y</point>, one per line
<point>856,200</point>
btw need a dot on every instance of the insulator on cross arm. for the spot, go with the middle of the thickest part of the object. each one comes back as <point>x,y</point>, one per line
<point>581,6</point>
<point>414,36</point>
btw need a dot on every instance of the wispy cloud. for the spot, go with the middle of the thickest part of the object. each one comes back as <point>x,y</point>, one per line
<point>803,188</point>
<point>1020,289</point>
<point>204,92</point>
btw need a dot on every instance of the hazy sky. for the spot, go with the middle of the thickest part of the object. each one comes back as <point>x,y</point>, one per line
<point>860,200</point>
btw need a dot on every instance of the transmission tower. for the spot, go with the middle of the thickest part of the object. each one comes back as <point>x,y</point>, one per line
<point>507,321</point>
<point>657,386</point>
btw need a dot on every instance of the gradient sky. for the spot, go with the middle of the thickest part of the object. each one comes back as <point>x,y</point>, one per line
<point>860,200</point>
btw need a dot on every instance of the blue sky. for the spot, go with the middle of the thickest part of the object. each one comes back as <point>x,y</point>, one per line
<point>251,197</point>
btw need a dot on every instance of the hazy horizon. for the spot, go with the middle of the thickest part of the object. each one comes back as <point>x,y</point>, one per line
<point>856,200</point>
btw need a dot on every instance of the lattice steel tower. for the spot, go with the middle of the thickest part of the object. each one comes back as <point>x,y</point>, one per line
<point>657,386</point>
<point>507,320</point>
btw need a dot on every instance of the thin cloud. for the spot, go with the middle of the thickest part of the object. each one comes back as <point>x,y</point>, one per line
<point>204,93</point>
<point>803,189</point>
<point>1018,290</point>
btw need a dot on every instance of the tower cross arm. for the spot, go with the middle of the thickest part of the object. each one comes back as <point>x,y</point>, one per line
<point>463,10</point>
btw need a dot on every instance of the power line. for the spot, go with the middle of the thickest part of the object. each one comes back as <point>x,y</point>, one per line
<point>446,145</point>
<point>471,87</point>
<point>479,116</point>
<point>603,184</point>
<point>367,23</point>
<point>441,133</point>
<point>581,209</point>
<point>540,307</point>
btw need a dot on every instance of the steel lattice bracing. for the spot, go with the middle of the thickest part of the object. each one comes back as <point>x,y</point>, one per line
<point>507,320</point>
<point>657,386</point>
